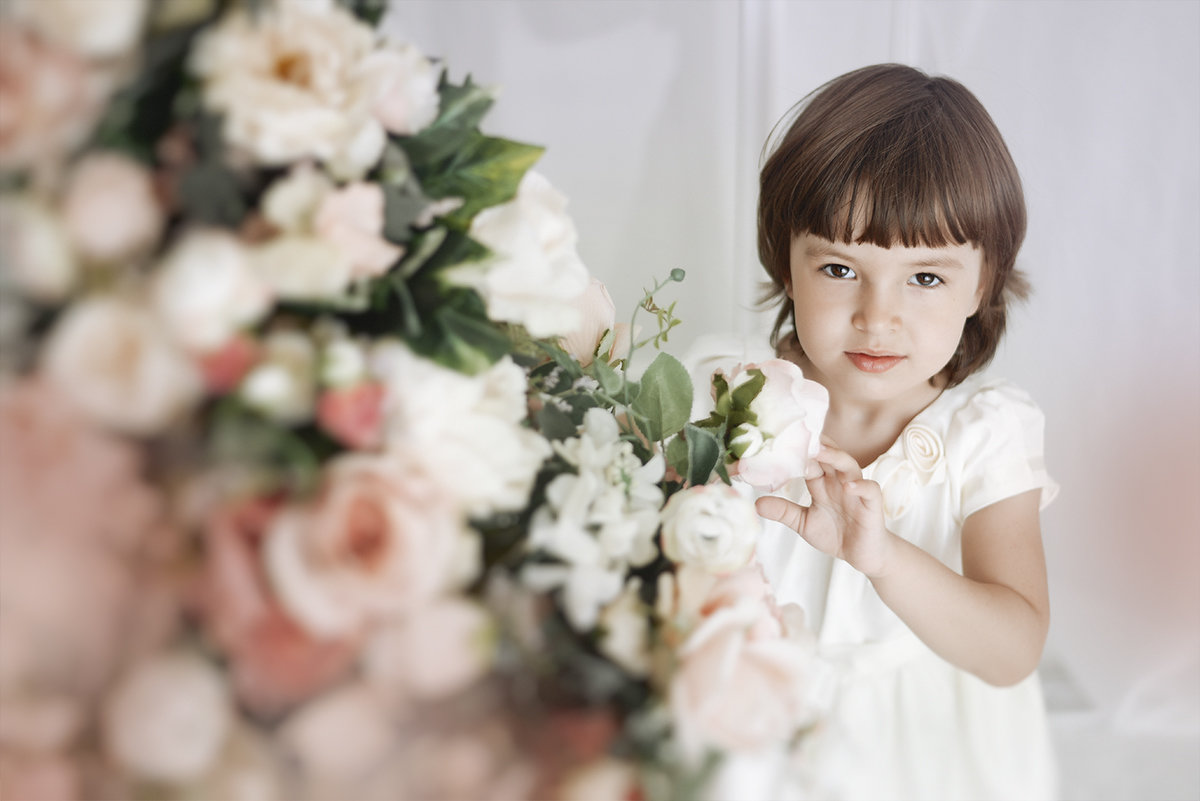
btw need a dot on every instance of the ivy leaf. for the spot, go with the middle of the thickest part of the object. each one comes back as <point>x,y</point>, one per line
<point>665,397</point>
<point>485,172</point>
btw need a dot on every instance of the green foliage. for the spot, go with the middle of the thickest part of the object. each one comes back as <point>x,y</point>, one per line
<point>484,172</point>
<point>665,398</point>
<point>369,11</point>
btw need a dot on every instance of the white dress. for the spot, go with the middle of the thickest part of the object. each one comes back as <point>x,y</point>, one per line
<point>897,721</point>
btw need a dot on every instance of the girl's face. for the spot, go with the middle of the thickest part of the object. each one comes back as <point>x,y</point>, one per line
<point>876,324</point>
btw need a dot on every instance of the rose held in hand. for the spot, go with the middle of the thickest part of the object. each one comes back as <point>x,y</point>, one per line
<point>784,433</point>
<point>712,527</point>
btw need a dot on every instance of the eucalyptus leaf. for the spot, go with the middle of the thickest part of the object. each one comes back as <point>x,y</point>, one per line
<point>665,397</point>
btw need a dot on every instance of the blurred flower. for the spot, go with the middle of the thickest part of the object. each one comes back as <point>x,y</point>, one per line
<point>111,357</point>
<point>98,29</point>
<point>340,735</point>
<point>353,415</point>
<point>35,256</point>
<point>468,429</point>
<point>790,413</point>
<point>378,540</point>
<point>291,83</point>
<point>274,663</point>
<point>302,267</point>
<point>42,777</point>
<point>597,317</point>
<point>48,99</point>
<point>351,218</point>
<point>168,717</point>
<point>291,202</point>
<point>432,655</point>
<point>206,293</point>
<point>713,526</point>
<point>536,277</point>
<point>625,630</point>
<point>740,684</point>
<point>283,383</point>
<point>605,779</point>
<point>409,98</point>
<point>109,208</point>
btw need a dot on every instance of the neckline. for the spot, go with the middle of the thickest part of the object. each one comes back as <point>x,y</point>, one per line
<point>917,418</point>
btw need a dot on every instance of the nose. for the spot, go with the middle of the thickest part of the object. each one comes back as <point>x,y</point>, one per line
<point>877,311</point>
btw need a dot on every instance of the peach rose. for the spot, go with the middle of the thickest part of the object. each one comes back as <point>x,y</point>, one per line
<point>380,539</point>
<point>110,209</point>
<point>351,218</point>
<point>740,680</point>
<point>111,356</point>
<point>224,368</point>
<point>48,99</point>
<point>274,663</point>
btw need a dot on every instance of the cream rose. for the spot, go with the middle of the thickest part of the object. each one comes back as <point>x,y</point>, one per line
<point>113,358</point>
<point>168,718</point>
<point>35,255</point>
<point>302,267</point>
<point>379,540</point>
<point>49,99</point>
<point>791,412</point>
<point>351,218</point>
<point>536,277</point>
<point>293,82</point>
<point>291,202</point>
<point>206,291</point>
<point>283,385</point>
<point>409,98</point>
<point>468,429</point>
<point>110,209</point>
<point>714,527</point>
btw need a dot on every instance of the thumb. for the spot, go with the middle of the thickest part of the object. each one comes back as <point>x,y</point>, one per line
<point>781,510</point>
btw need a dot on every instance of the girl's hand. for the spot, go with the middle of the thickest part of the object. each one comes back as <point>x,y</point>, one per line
<point>846,516</point>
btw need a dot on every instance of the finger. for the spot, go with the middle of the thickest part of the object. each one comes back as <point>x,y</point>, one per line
<point>782,510</point>
<point>840,461</point>
<point>868,493</point>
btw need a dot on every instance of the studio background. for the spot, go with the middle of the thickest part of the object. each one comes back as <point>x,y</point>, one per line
<point>654,115</point>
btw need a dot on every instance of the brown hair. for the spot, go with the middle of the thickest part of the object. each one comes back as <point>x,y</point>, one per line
<point>896,156</point>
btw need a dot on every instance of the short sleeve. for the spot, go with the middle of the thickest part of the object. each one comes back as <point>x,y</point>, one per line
<point>997,440</point>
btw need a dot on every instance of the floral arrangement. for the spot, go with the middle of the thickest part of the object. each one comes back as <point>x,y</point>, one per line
<point>322,470</point>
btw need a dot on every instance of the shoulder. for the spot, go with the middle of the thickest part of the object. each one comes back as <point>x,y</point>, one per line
<point>995,442</point>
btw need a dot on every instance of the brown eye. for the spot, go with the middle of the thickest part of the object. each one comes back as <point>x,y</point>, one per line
<point>926,280</point>
<point>837,271</point>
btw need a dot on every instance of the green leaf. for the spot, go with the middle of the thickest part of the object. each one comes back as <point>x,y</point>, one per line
<point>609,379</point>
<point>665,397</point>
<point>462,341</point>
<point>209,193</point>
<point>369,11</point>
<point>426,244</point>
<point>461,110</point>
<point>704,454</point>
<point>554,423</point>
<point>485,172</point>
<point>676,454</point>
<point>747,392</point>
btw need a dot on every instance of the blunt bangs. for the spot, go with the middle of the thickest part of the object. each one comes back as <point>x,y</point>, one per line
<point>888,155</point>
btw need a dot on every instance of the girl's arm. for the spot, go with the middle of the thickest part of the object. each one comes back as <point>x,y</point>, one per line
<point>991,620</point>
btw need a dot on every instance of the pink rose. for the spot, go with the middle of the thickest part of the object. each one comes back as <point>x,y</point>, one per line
<point>351,218</point>
<point>224,368</point>
<point>740,680</point>
<point>110,208</point>
<point>274,663</point>
<point>791,412</point>
<point>380,539</point>
<point>353,415</point>
<point>48,99</point>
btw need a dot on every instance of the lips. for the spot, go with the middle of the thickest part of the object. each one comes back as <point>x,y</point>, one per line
<point>874,363</point>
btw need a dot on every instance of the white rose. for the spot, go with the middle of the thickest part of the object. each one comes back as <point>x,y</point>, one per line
<point>283,385</point>
<point>206,292</point>
<point>98,29</point>
<point>597,316</point>
<point>298,267</point>
<point>339,735</point>
<point>293,82</point>
<point>112,357</point>
<point>291,202</point>
<point>536,277</point>
<point>409,100</point>
<point>168,718</point>
<point>351,219</point>
<point>35,255</point>
<point>468,429</point>
<point>791,412</point>
<point>714,527</point>
<point>110,208</point>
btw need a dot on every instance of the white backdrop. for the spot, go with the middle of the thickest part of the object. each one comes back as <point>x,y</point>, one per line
<point>654,114</point>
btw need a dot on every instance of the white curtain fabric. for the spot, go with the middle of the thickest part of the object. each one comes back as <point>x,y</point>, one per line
<point>655,113</point>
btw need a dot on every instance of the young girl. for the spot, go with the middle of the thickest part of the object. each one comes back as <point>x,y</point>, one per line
<point>890,215</point>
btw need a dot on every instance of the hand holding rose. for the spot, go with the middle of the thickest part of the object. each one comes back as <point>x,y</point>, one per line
<point>846,516</point>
